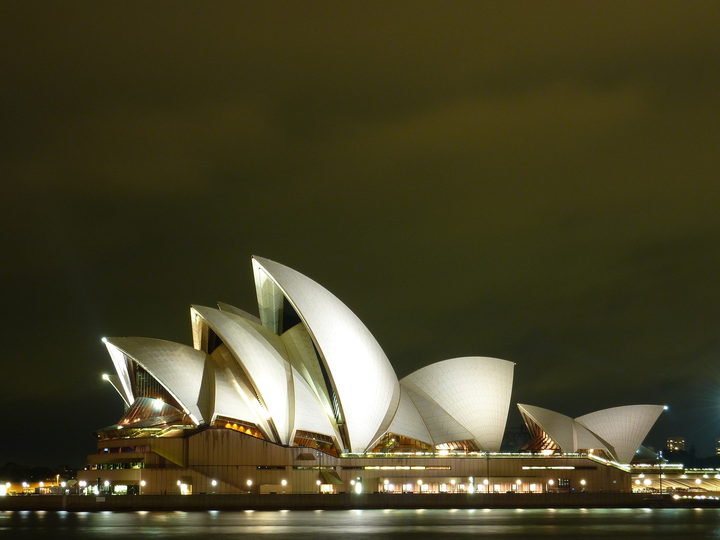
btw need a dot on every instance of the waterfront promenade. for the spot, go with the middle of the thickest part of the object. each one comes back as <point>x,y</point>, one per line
<point>343,501</point>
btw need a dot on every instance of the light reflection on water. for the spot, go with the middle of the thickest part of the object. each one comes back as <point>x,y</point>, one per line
<point>617,524</point>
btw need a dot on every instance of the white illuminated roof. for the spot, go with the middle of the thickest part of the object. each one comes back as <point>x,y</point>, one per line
<point>620,430</point>
<point>237,311</point>
<point>114,380</point>
<point>623,427</point>
<point>301,354</point>
<point>309,414</point>
<point>408,421</point>
<point>586,439</point>
<point>474,390</point>
<point>563,430</point>
<point>269,298</point>
<point>228,401</point>
<point>119,360</point>
<point>178,368</point>
<point>558,427</point>
<point>441,426</point>
<point>364,380</point>
<point>328,375</point>
<point>268,371</point>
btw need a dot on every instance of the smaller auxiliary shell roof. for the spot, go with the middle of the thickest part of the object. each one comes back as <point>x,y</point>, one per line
<point>619,431</point>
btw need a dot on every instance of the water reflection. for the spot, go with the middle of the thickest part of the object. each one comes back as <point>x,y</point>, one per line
<point>322,525</point>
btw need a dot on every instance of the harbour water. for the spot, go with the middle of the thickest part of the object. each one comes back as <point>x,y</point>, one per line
<point>591,523</point>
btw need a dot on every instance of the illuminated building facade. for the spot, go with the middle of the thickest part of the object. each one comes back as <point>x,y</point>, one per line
<point>676,444</point>
<point>303,399</point>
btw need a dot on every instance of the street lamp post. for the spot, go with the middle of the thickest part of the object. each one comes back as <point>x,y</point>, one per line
<point>487,469</point>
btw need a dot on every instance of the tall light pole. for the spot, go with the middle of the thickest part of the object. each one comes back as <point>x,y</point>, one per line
<point>487,469</point>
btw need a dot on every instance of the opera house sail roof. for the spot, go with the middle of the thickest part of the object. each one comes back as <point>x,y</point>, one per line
<point>308,372</point>
<point>618,431</point>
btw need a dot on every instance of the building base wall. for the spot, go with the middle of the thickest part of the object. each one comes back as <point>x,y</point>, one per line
<point>221,461</point>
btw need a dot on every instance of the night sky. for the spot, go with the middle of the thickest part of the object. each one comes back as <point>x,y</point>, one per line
<point>534,181</point>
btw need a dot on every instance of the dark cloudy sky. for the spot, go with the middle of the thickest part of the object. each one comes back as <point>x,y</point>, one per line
<point>535,181</point>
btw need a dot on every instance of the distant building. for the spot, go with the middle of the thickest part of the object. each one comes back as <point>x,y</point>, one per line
<point>676,444</point>
<point>717,447</point>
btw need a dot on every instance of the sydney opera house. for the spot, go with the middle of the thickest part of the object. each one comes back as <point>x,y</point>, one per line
<point>302,399</point>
